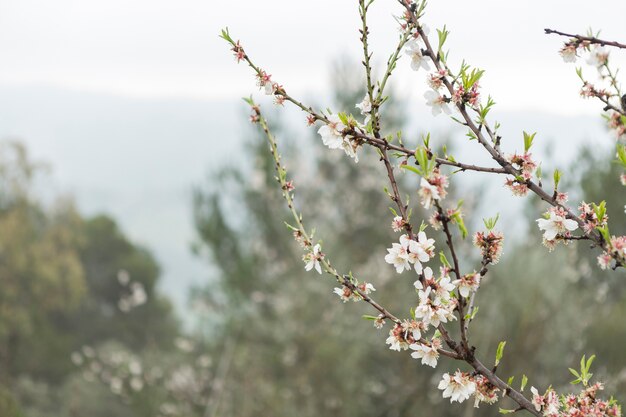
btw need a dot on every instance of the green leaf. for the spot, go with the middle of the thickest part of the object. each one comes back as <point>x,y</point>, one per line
<point>444,260</point>
<point>505,411</point>
<point>524,382</point>
<point>491,222</point>
<point>412,169</point>
<point>557,178</point>
<point>500,352</point>
<point>226,36</point>
<point>528,140</point>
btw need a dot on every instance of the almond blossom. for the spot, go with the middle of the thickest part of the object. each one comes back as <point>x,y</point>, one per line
<point>435,80</point>
<point>437,102</point>
<point>556,224</point>
<point>568,52</point>
<point>458,387</point>
<point>490,245</point>
<point>397,224</point>
<point>599,57</point>
<point>414,51</point>
<point>331,133</point>
<point>486,392</point>
<point>313,259</point>
<point>428,193</point>
<point>467,283</point>
<point>404,334</point>
<point>366,108</point>
<point>410,251</point>
<point>428,354</point>
<point>434,311</point>
<point>346,293</point>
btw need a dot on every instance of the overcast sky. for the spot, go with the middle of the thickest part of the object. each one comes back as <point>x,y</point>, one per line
<point>170,48</point>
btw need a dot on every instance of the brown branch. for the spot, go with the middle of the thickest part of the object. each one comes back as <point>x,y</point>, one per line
<point>589,39</point>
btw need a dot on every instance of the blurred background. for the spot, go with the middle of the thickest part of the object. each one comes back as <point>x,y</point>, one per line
<point>145,266</point>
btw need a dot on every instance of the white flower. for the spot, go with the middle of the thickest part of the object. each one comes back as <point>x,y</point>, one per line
<point>331,132</point>
<point>537,400</point>
<point>428,193</point>
<point>414,50</point>
<point>269,88</point>
<point>598,57</point>
<point>398,256</point>
<point>458,387</point>
<point>428,275</point>
<point>410,251</point>
<point>467,283</point>
<point>397,224</point>
<point>366,107</point>
<point>555,225</point>
<point>428,354</point>
<point>568,53</point>
<point>350,149</point>
<point>426,244</point>
<point>312,259</point>
<point>344,293</point>
<point>437,101</point>
<point>395,342</point>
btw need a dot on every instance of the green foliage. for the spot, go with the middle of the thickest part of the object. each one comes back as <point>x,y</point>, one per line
<point>490,223</point>
<point>500,352</point>
<point>583,376</point>
<point>528,140</point>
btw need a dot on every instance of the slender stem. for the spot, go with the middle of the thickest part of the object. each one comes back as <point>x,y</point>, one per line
<point>589,39</point>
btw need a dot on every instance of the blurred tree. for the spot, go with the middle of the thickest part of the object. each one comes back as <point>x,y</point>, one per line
<point>67,282</point>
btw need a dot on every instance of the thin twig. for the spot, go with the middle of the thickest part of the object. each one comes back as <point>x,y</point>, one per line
<point>589,39</point>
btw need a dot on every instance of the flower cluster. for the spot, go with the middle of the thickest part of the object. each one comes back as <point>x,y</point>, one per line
<point>616,250</point>
<point>490,245</point>
<point>486,392</point>
<point>617,123</point>
<point>518,188</point>
<point>462,96</point>
<point>334,137</point>
<point>436,305</point>
<point>556,224</point>
<point>402,255</point>
<point>404,334</point>
<point>433,188</point>
<point>458,386</point>
<point>590,218</point>
<point>524,163</point>
<point>587,403</point>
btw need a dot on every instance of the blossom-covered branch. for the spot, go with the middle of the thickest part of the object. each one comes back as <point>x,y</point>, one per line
<point>442,298</point>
